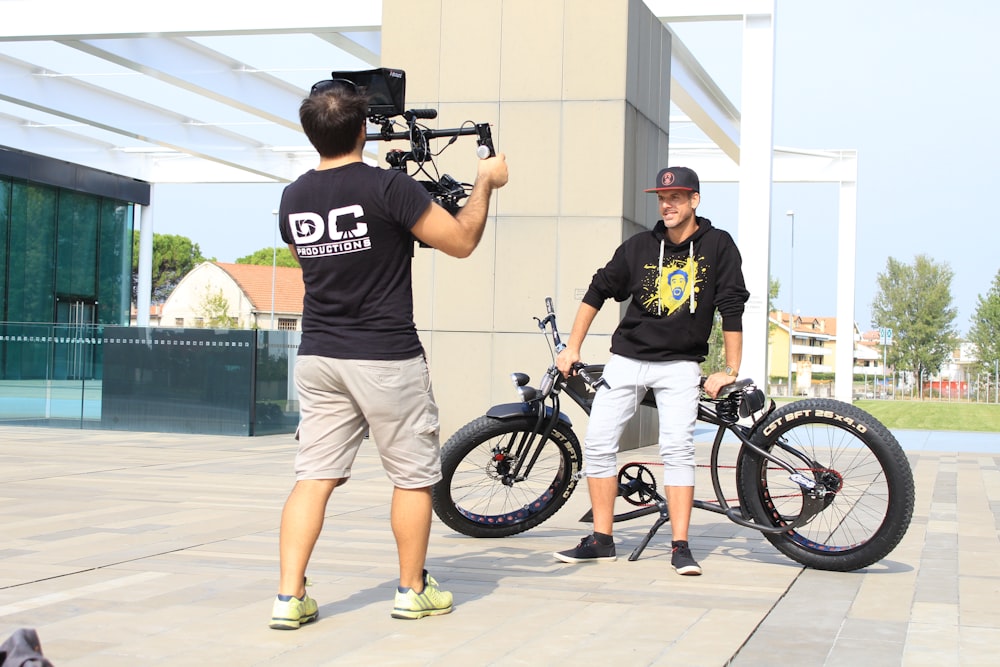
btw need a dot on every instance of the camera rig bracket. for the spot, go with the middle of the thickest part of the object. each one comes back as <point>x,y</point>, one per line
<point>385,89</point>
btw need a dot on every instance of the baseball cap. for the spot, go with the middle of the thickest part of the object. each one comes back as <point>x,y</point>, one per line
<point>676,178</point>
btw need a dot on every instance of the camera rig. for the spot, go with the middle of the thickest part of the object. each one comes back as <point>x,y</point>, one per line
<point>385,89</point>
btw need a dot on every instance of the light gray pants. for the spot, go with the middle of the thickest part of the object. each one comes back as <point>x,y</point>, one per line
<point>676,387</point>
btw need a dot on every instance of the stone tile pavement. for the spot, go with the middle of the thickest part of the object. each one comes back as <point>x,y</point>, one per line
<point>136,549</point>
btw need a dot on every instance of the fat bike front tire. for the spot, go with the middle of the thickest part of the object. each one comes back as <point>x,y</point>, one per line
<point>477,496</point>
<point>854,459</point>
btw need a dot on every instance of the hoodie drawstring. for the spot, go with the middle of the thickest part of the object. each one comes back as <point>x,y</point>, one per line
<point>659,286</point>
<point>691,281</point>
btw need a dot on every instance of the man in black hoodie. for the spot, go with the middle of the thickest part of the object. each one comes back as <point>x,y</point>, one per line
<point>677,276</point>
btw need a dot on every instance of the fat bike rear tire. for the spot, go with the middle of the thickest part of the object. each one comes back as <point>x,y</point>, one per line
<point>869,484</point>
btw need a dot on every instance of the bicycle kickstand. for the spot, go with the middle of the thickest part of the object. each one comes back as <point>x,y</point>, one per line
<point>664,517</point>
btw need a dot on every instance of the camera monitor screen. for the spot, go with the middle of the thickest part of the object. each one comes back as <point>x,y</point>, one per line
<point>384,87</point>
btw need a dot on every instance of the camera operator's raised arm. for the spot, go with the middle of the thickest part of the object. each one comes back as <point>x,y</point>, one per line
<point>458,235</point>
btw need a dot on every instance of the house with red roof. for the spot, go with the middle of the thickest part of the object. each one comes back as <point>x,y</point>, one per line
<point>236,296</point>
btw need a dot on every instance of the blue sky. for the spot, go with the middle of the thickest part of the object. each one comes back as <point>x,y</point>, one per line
<point>909,84</point>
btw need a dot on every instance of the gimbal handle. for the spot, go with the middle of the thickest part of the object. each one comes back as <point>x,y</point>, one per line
<point>482,130</point>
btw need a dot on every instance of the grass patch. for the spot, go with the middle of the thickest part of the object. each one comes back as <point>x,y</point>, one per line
<point>933,415</point>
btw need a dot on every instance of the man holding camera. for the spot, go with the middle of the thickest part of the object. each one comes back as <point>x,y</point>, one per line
<point>677,276</point>
<point>361,366</point>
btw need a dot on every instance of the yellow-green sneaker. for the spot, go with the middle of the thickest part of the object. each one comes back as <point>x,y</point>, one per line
<point>290,614</point>
<point>432,601</point>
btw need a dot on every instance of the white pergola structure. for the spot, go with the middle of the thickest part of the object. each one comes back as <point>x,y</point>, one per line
<point>207,92</point>
<point>743,152</point>
<point>793,166</point>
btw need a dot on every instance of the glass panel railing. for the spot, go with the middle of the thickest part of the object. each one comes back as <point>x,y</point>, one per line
<point>50,374</point>
<point>276,409</point>
<point>210,381</point>
<point>178,380</point>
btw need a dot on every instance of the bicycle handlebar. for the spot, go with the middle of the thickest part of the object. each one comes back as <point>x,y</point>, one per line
<point>581,370</point>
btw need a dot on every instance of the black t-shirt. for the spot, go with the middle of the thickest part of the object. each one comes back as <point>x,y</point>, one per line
<point>351,228</point>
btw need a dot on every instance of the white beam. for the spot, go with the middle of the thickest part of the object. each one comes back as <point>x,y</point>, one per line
<point>846,265</point>
<point>70,19</point>
<point>350,46</point>
<point>104,109</point>
<point>144,288</point>
<point>190,66</point>
<point>696,94</point>
<point>756,150</point>
<point>790,165</point>
<point>145,164</point>
<point>707,10</point>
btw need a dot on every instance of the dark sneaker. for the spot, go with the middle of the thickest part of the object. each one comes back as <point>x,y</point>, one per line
<point>682,561</point>
<point>589,550</point>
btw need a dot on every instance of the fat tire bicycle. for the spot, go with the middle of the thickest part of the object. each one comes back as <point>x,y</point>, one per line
<point>825,482</point>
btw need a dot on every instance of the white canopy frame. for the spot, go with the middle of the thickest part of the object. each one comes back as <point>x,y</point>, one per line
<point>173,94</point>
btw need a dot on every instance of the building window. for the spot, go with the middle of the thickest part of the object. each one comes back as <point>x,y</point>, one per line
<point>287,324</point>
<point>199,322</point>
<point>178,321</point>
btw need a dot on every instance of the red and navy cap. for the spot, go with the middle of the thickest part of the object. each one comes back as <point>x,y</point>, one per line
<point>676,178</point>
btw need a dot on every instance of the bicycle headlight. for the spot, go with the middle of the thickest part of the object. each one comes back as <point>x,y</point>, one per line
<point>527,394</point>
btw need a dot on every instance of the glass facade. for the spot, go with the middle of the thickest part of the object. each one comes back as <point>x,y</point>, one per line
<point>68,357</point>
<point>66,261</point>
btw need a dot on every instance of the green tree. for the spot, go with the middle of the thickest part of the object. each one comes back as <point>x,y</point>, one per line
<point>985,331</point>
<point>914,300</point>
<point>265,256</point>
<point>715,360</point>
<point>214,310</point>
<point>173,257</point>
<point>773,289</point>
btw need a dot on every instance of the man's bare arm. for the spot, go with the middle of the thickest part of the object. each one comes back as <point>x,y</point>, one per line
<point>458,235</point>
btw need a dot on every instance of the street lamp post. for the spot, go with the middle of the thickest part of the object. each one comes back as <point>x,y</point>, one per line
<point>274,262</point>
<point>791,301</point>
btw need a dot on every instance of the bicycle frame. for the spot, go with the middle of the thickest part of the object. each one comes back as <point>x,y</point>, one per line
<point>736,401</point>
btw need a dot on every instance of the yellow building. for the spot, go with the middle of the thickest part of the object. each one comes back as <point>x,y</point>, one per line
<point>813,340</point>
<point>813,351</point>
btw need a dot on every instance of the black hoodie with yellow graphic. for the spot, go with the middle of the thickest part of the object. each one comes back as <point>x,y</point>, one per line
<point>675,291</point>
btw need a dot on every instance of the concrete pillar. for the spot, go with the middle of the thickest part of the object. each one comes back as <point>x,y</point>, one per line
<point>582,114</point>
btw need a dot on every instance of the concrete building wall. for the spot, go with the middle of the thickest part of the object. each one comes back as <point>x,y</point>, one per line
<point>582,114</point>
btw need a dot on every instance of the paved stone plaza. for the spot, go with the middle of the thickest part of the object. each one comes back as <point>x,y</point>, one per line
<point>138,549</point>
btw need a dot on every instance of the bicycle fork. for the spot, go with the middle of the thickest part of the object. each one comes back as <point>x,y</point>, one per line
<point>529,442</point>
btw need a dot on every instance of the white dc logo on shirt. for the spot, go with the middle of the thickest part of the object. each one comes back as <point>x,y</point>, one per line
<point>343,229</point>
<point>310,227</point>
